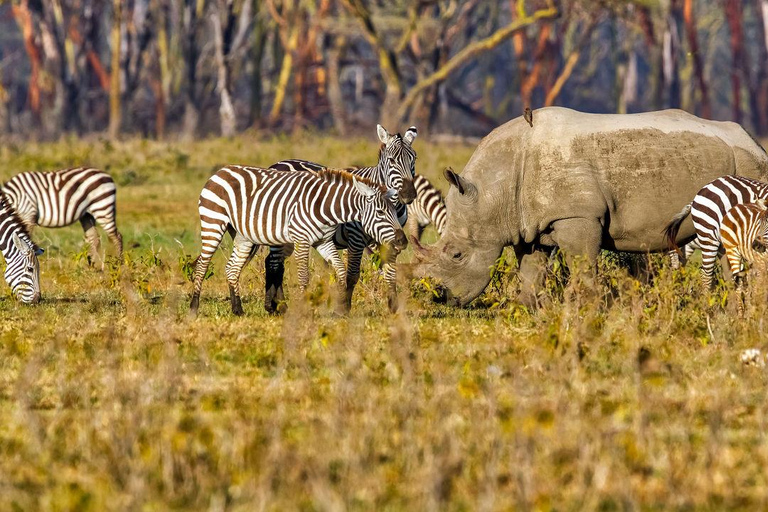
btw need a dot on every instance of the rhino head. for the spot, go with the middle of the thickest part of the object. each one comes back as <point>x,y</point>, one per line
<point>473,240</point>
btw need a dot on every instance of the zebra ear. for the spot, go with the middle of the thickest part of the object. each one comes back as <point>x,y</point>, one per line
<point>364,189</point>
<point>20,244</point>
<point>410,134</point>
<point>383,134</point>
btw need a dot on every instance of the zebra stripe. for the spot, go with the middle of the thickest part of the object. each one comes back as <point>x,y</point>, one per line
<point>707,211</point>
<point>268,207</point>
<point>396,170</point>
<point>22,268</point>
<point>60,198</point>
<point>428,208</point>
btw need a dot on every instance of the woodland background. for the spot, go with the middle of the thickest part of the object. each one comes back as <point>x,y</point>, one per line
<point>194,68</point>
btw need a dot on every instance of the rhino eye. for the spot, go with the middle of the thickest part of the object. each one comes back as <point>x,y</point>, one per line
<point>457,255</point>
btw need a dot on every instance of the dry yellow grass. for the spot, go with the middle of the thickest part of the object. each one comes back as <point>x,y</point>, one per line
<point>628,396</point>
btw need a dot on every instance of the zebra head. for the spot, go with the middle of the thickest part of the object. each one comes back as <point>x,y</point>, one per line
<point>379,216</point>
<point>397,160</point>
<point>22,268</point>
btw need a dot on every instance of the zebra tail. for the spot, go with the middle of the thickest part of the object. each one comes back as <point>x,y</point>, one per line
<point>670,232</point>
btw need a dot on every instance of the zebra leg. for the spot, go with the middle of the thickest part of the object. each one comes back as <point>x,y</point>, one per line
<point>93,239</point>
<point>708,258</point>
<point>330,254</point>
<point>356,246</point>
<point>354,257</point>
<point>210,239</point>
<point>302,264</point>
<point>674,260</point>
<point>106,219</point>
<point>240,255</point>
<point>390,277</point>
<point>274,266</point>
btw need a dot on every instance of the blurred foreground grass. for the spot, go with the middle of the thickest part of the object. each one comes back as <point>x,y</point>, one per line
<point>629,396</point>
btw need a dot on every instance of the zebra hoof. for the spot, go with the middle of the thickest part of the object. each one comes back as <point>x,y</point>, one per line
<point>392,303</point>
<point>193,307</point>
<point>237,308</point>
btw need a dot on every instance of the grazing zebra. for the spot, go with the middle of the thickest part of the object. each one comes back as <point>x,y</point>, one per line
<point>743,233</point>
<point>428,208</point>
<point>267,207</point>
<point>22,269</point>
<point>707,211</point>
<point>59,198</point>
<point>395,170</point>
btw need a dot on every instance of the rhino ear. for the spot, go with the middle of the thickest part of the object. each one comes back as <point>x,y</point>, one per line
<point>383,134</point>
<point>465,187</point>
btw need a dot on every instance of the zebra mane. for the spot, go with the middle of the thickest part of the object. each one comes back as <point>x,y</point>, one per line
<point>7,209</point>
<point>343,176</point>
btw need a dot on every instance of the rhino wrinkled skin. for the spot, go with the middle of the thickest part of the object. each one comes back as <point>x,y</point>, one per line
<point>581,182</point>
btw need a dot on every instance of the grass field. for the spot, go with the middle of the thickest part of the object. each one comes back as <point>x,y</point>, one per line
<point>629,396</point>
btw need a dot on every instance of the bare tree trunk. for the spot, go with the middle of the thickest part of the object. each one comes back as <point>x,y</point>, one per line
<point>655,57</point>
<point>733,15</point>
<point>190,21</point>
<point>257,55</point>
<point>338,112</point>
<point>671,55</point>
<point>571,60</point>
<point>24,19</point>
<point>114,90</point>
<point>689,15</point>
<point>761,84</point>
<point>226,108</point>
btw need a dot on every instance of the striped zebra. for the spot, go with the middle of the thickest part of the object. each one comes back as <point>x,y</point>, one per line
<point>428,208</point>
<point>396,169</point>
<point>22,269</point>
<point>268,207</point>
<point>743,233</point>
<point>708,209</point>
<point>60,198</point>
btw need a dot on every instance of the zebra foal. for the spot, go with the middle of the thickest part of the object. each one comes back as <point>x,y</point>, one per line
<point>267,207</point>
<point>22,268</point>
<point>60,198</point>
<point>743,233</point>
<point>707,211</point>
<point>428,208</point>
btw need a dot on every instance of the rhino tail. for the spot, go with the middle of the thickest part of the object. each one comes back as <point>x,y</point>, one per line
<point>670,232</point>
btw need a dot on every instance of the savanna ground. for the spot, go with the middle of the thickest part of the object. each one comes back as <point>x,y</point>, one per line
<point>630,396</point>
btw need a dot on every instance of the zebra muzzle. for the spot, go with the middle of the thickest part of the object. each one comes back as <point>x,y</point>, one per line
<point>407,193</point>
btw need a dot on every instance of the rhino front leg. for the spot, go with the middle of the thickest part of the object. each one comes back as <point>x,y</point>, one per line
<point>532,266</point>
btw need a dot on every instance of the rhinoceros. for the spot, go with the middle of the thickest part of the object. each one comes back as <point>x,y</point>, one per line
<point>581,182</point>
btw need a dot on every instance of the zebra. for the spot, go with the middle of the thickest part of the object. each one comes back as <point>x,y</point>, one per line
<point>707,210</point>
<point>22,268</point>
<point>428,208</point>
<point>396,169</point>
<point>743,234</point>
<point>268,207</point>
<point>59,198</point>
